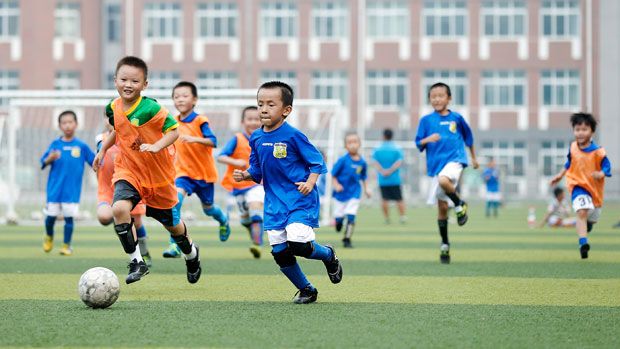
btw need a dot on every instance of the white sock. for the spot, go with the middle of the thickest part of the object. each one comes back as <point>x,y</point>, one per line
<point>192,254</point>
<point>458,209</point>
<point>142,245</point>
<point>136,255</point>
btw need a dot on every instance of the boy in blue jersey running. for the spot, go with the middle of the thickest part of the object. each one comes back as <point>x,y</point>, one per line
<point>493,196</point>
<point>66,155</point>
<point>288,165</point>
<point>444,135</point>
<point>349,176</point>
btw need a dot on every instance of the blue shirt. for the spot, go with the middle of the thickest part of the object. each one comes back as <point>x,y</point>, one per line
<point>454,132</point>
<point>281,158</point>
<point>206,130</point>
<point>349,173</point>
<point>386,155</point>
<point>64,183</point>
<point>605,167</point>
<point>491,177</point>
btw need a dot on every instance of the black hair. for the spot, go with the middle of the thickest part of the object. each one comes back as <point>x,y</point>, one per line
<point>440,84</point>
<point>133,61</point>
<point>583,118</point>
<point>250,107</point>
<point>67,112</point>
<point>285,89</point>
<point>388,134</point>
<point>557,191</point>
<point>350,134</point>
<point>187,84</point>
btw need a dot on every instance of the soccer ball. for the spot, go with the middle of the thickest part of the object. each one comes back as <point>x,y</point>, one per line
<point>99,287</point>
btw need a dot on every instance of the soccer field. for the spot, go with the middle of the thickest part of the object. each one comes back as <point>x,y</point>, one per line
<point>507,286</point>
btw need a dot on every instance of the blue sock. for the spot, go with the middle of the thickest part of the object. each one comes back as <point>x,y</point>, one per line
<point>321,252</point>
<point>49,225</point>
<point>216,212</point>
<point>488,208</point>
<point>172,240</point>
<point>583,241</point>
<point>292,272</point>
<point>350,219</point>
<point>339,220</point>
<point>68,230</point>
<point>256,229</point>
<point>141,232</point>
<point>179,204</point>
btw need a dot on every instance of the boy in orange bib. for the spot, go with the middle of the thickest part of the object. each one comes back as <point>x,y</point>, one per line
<point>144,168</point>
<point>585,171</point>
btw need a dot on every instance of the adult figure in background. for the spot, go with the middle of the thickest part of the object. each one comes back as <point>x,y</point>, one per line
<point>387,159</point>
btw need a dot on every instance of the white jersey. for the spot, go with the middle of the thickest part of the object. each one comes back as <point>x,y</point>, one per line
<point>558,209</point>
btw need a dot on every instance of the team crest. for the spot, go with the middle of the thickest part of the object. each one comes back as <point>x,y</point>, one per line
<point>279,150</point>
<point>453,126</point>
<point>76,152</point>
<point>358,169</point>
<point>135,122</point>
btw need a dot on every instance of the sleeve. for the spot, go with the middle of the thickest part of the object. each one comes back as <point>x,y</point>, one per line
<point>567,164</point>
<point>364,174</point>
<point>208,134</point>
<point>109,112</point>
<point>401,155</point>
<point>468,136</point>
<point>255,170</point>
<point>89,156</point>
<point>309,153</point>
<point>229,148</point>
<point>170,123</point>
<point>606,166</point>
<point>47,152</point>
<point>337,168</point>
<point>420,135</point>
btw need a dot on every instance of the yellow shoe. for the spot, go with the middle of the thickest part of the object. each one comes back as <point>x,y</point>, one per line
<point>66,250</point>
<point>48,243</point>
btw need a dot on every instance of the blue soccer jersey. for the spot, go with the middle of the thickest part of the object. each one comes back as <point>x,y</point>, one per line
<point>64,183</point>
<point>281,158</point>
<point>491,177</point>
<point>455,134</point>
<point>386,155</point>
<point>349,173</point>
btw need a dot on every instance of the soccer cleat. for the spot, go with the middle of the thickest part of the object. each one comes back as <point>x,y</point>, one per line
<point>48,243</point>
<point>338,226</point>
<point>403,219</point>
<point>173,251</point>
<point>444,254</point>
<point>136,271</point>
<point>66,250</point>
<point>306,295</point>
<point>583,249</point>
<point>193,267</point>
<point>224,232</point>
<point>255,251</point>
<point>347,243</point>
<point>147,259</point>
<point>461,217</point>
<point>334,269</point>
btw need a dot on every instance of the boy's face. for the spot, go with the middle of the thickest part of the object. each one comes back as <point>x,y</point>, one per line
<point>251,121</point>
<point>560,197</point>
<point>352,144</point>
<point>184,100</point>
<point>130,82</point>
<point>67,125</point>
<point>439,98</point>
<point>583,133</point>
<point>272,110</point>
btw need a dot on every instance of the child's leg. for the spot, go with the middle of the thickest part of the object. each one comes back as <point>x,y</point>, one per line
<point>190,251</point>
<point>104,214</point>
<point>348,232</point>
<point>256,219</point>
<point>582,227</point>
<point>449,188</point>
<point>125,230</point>
<point>442,221</point>
<point>301,242</point>
<point>49,225</point>
<point>339,208</point>
<point>206,193</point>
<point>68,231</point>
<point>495,208</point>
<point>287,262</point>
<point>487,211</point>
<point>402,210</point>
<point>140,233</point>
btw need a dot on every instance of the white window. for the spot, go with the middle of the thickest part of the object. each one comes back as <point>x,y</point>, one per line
<point>560,18</point>
<point>456,79</point>
<point>9,80</point>
<point>108,84</point>
<point>217,80</point>
<point>387,88</point>
<point>163,80</point>
<point>387,19</point>
<point>113,23</point>
<point>330,19</point>
<point>560,88</point>
<point>67,20</point>
<point>552,156</point>
<point>503,88</point>
<point>329,85</point>
<point>162,20</point>
<point>278,19</point>
<point>67,80</point>
<point>503,18</point>
<point>510,156</point>
<point>9,19</point>
<point>287,77</point>
<point>445,18</point>
<point>217,20</point>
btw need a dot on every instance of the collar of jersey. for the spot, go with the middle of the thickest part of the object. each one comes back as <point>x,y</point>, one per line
<point>592,147</point>
<point>133,107</point>
<point>188,118</point>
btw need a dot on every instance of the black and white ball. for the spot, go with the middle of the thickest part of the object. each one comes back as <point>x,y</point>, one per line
<point>99,287</point>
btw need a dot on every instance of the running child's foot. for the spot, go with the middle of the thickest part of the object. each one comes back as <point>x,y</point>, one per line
<point>173,251</point>
<point>147,259</point>
<point>461,217</point>
<point>339,226</point>
<point>48,243</point>
<point>334,269</point>
<point>255,251</point>
<point>306,295</point>
<point>224,232</point>
<point>583,249</point>
<point>66,250</point>
<point>136,271</point>
<point>444,254</point>
<point>347,243</point>
<point>193,267</point>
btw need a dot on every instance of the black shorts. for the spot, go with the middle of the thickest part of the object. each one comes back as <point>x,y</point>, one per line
<point>123,190</point>
<point>391,193</point>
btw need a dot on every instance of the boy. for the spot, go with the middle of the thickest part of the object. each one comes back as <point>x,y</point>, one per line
<point>67,155</point>
<point>249,195</point>
<point>388,159</point>
<point>557,212</point>
<point>105,193</point>
<point>443,134</point>
<point>288,165</point>
<point>493,196</point>
<point>348,172</point>
<point>194,163</point>
<point>585,170</point>
<point>143,168</point>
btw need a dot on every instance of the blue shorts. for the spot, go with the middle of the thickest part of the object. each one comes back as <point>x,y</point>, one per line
<point>203,189</point>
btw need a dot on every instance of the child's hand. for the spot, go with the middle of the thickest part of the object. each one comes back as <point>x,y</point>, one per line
<point>475,164</point>
<point>98,162</point>
<point>598,175</point>
<point>337,187</point>
<point>304,187</point>
<point>238,175</point>
<point>187,139</point>
<point>367,192</point>
<point>151,148</point>
<point>53,156</point>
<point>435,137</point>
<point>555,180</point>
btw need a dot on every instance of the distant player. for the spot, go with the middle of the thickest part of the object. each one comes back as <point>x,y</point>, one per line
<point>493,195</point>
<point>585,171</point>
<point>444,135</point>
<point>144,167</point>
<point>66,155</point>
<point>349,177</point>
<point>195,165</point>
<point>105,193</point>
<point>288,165</point>
<point>558,214</point>
<point>249,196</point>
<point>388,159</point>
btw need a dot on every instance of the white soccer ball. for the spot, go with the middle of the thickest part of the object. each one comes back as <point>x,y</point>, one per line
<point>99,287</point>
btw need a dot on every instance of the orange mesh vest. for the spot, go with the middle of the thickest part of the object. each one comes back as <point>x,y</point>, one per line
<point>194,160</point>
<point>242,151</point>
<point>582,164</point>
<point>105,173</point>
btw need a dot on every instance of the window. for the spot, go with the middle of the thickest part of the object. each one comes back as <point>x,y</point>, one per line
<point>9,80</point>
<point>67,20</point>
<point>456,79</point>
<point>387,19</point>
<point>108,84</point>
<point>217,80</point>
<point>504,88</point>
<point>9,19</point>
<point>552,156</point>
<point>67,80</point>
<point>510,156</point>
<point>504,18</point>
<point>445,19</point>
<point>329,85</point>
<point>288,77</point>
<point>387,88</point>
<point>278,19</point>
<point>162,20</point>
<point>163,80</point>
<point>113,23</point>
<point>329,19</point>
<point>560,88</point>
<point>217,20</point>
<point>560,18</point>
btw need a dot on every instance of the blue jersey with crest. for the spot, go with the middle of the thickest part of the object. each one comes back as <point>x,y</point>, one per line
<point>348,173</point>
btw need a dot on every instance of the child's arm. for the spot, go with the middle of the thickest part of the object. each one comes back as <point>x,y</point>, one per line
<point>421,138</point>
<point>306,187</point>
<point>558,177</point>
<point>253,173</point>
<point>105,145</point>
<point>365,187</point>
<point>544,221</point>
<point>474,161</point>
<point>49,156</point>
<point>312,159</point>
<point>337,186</point>
<point>395,166</point>
<point>225,155</point>
<point>208,138</point>
<point>89,156</point>
<point>468,138</point>
<point>605,169</point>
<point>162,143</point>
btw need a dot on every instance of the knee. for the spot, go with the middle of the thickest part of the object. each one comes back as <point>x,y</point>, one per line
<point>105,219</point>
<point>444,181</point>
<point>283,255</point>
<point>118,210</point>
<point>302,249</point>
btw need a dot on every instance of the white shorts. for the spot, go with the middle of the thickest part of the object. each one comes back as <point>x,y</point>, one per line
<point>67,209</point>
<point>558,221</point>
<point>494,196</point>
<point>342,208</point>
<point>453,171</point>
<point>254,194</point>
<point>584,202</point>
<point>296,232</point>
